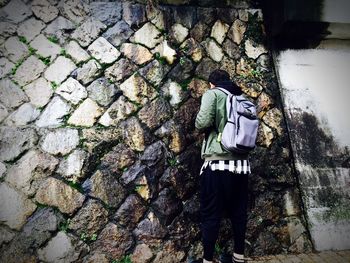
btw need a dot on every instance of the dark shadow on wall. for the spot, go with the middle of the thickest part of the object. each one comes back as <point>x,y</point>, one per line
<point>314,146</point>
<point>294,24</point>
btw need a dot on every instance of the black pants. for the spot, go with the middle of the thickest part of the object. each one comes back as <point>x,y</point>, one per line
<point>222,191</point>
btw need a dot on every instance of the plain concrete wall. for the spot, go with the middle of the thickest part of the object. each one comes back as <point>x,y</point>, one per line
<point>315,86</point>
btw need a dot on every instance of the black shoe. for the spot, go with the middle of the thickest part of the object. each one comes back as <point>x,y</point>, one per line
<point>225,258</point>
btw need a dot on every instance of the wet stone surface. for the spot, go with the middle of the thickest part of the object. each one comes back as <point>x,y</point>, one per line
<point>89,219</point>
<point>106,188</point>
<point>114,241</point>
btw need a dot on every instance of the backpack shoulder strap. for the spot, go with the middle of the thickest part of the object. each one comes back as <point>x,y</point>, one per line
<point>223,90</point>
<point>242,97</point>
<point>231,103</point>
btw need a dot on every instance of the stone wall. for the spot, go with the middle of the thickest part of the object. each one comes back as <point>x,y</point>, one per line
<point>99,155</point>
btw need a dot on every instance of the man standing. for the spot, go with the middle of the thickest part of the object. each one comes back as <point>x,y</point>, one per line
<point>224,175</point>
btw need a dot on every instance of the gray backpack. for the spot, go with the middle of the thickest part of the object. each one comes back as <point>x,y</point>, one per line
<point>241,129</point>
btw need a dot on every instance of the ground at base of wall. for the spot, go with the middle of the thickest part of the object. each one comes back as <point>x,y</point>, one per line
<point>319,257</point>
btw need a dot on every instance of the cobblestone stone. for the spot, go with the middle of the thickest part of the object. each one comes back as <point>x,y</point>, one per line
<point>30,28</point>
<point>86,114</point>
<point>103,51</point>
<point>29,70</point>
<point>107,12</point>
<point>15,50</point>
<point>7,29</point>
<point>178,33</point>
<point>15,11</point>
<point>60,28</point>
<point>101,91</point>
<point>119,33</point>
<point>133,14</point>
<point>87,32</point>
<point>11,95</point>
<point>72,91</point>
<point>89,71</point>
<point>39,92</point>
<point>25,114</point>
<point>45,47</point>
<point>5,67</point>
<point>75,10</point>
<point>59,70</point>
<point>53,114</point>
<point>76,52</point>
<point>44,10</point>
<point>148,35</point>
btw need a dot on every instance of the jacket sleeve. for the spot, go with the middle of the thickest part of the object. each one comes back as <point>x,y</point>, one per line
<point>206,115</point>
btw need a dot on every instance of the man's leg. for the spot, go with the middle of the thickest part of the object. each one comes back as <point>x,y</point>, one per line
<point>210,229</point>
<point>239,213</point>
<point>210,209</point>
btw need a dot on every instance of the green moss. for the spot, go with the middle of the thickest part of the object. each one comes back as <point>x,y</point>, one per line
<point>162,60</point>
<point>184,84</point>
<point>163,32</point>
<point>108,207</point>
<point>253,74</point>
<point>76,186</point>
<point>54,85</point>
<point>104,66</point>
<point>31,50</point>
<point>63,226</point>
<point>81,142</point>
<point>256,73</point>
<point>182,61</point>
<point>63,52</point>
<point>83,236</point>
<point>14,69</point>
<point>185,49</point>
<point>125,259</point>
<point>99,126</point>
<point>23,39</point>
<point>339,207</point>
<point>341,212</point>
<point>45,60</point>
<point>40,108</point>
<point>138,188</point>
<point>93,237</point>
<point>65,120</point>
<point>173,162</point>
<point>53,39</point>
<point>86,238</point>
<point>156,55</point>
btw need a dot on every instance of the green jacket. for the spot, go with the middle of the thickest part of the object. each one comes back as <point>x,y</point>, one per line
<point>211,119</point>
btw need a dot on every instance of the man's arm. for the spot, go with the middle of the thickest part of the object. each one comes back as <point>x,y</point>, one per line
<point>206,115</point>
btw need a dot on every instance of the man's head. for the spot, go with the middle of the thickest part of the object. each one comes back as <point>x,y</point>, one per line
<point>218,76</point>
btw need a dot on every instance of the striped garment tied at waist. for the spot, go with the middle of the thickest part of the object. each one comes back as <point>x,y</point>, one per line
<point>234,166</point>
